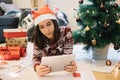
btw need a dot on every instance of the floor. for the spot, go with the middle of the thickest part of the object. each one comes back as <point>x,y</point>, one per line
<point>81,56</point>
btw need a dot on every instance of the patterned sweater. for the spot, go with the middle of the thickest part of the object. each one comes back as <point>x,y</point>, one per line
<point>64,45</point>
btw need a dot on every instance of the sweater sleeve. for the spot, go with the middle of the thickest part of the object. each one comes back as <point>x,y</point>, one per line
<point>68,43</point>
<point>37,54</point>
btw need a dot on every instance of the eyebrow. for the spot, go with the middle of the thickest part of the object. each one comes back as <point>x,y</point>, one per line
<point>46,23</point>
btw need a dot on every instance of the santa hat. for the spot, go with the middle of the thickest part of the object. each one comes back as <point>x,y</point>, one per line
<point>43,14</point>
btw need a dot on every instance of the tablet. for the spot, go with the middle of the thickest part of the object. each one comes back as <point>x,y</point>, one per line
<point>57,63</point>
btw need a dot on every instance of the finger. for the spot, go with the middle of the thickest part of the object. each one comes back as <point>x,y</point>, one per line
<point>43,73</point>
<point>71,68</point>
<point>46,69</point>
<point>43,66</point>
<point>68,70</point>
<point>73,63</point>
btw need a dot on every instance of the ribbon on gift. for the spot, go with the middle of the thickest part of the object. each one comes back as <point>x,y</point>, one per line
<point>9,53</point>
<point>23,52</point>
<point>5,50</point>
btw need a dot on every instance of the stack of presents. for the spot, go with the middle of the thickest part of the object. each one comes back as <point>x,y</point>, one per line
<point>15,44</point>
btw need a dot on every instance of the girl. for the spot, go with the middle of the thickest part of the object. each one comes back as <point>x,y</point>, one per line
<point>50,40</point>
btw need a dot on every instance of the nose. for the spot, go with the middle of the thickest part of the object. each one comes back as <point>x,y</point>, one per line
<point>47,29</point>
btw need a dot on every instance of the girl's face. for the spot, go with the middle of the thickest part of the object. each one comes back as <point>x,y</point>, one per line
<point>47,28</point>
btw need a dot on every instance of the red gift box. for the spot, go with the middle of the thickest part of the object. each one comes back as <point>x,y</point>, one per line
<point>9,53</point>
<point>10,33</point>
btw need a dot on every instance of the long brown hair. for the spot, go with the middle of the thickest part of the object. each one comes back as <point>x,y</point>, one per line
<point>40,40</point>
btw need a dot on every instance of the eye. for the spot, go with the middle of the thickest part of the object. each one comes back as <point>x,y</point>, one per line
<point>41,27</point>
<point>48,23</point>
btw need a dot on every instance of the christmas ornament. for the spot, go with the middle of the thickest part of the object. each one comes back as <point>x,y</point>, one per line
<point>119,66</point>
<point>118,21</point>
<point>108,63</point>
<point>76,74</point>
<point>116,46</point>
<point>94,42</point>
<point>80,1</point>
<point>105,25</point>
<point>100,35</point>
<point>87,28</point>
<point>78,19</point>
<point>115,5</point>
<point>102,7</point>
<point>94,12</point>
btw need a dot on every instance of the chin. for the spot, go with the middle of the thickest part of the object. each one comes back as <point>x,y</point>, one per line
<point>49,37</point>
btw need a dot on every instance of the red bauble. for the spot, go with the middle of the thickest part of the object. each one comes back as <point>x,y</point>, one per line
<point>78,19</point>
<point>115,5</point>
<point>116,46</point>
<point>108,63</point>
<point>106,25</point>
<point>102,7</point>
<point>80,1</point>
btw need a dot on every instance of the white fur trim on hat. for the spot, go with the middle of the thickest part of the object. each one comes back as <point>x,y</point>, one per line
<point>44,17</point>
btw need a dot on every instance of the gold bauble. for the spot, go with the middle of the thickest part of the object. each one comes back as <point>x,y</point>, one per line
<point>87,28</point>
<point>118,21</point>
<point>94,42</point>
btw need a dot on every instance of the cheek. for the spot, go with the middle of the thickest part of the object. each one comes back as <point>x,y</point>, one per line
<point>42,31</point>
<point>53,28</point>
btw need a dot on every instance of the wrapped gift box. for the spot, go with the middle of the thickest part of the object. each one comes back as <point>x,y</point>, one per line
<point>9,53</point>
<point>19,41</point>
<point>9,33</point>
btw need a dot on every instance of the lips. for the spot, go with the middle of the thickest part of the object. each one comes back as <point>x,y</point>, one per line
<point>49,33</point>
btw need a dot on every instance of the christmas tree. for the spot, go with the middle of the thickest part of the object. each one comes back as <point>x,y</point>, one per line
<point>100,23</point>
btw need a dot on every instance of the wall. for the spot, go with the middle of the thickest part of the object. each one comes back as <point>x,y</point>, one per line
<point>22,3</point>
<point>27,3</point>
<point>66,6</point>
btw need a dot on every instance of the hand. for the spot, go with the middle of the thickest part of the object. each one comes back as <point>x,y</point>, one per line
<point>43,70</point>
<point>71,67</point>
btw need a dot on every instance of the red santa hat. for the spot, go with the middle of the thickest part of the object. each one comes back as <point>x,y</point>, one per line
<point>43,14</point>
